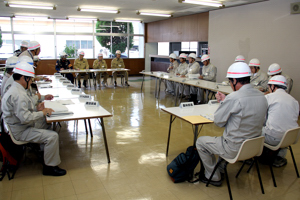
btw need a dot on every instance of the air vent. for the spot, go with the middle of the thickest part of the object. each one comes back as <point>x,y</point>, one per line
<point>295,8</point>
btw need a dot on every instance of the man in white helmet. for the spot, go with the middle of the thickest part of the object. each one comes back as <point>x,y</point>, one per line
<point>275,69</point>
<point>241,113</point>
<point>239,58</point>
<point>23,47</point>
<point>9,66</point>
<point>34,49</point>
<point>81,63</point>
<point>116,63</point>
<point>62,64</point>
<point>100,64</point>
<point>259,79</point>
<point>171,69</point>
<point>282,115</point>
<point>21,114</point>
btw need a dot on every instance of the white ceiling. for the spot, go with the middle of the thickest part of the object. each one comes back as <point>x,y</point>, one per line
<point>127,8</point>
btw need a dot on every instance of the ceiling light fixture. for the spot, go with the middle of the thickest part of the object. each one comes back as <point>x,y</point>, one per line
<point>154,14</point>
<point>128,20</point>
<point>203,2</point>
<point>98,10</point>
<point>32,6</point>
<point>31,16</point>
<point>82,18</point>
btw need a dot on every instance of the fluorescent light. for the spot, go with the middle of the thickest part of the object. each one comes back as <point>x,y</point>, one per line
<point>128,20</point>
<point>154,14</point>
<point>203,2</point>
<point>81,18</point>
<point>31,16</point>
<point>98,10</point>
<point>33,6</point>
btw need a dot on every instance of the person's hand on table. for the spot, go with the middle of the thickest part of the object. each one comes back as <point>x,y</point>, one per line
<point>41,106</point>
<point>182,76</point>
<point>220,96</point>
<point>47,111</point>
<point>49,97</point>
<point>62,69</point>
<point>200,77</point>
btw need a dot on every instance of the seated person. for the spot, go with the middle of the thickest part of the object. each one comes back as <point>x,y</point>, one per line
<point>274,70</point>
<point>239,58</point>
<point>181,69</point>
<point>81,63</point>
<point>171,69</point>
<point>9,66</point>
<point>209,73</point>
<point>116,63</point>
<point>62,64</point>
<point>258,79</point>
<point>242,113</point>
<point>21,115</point>
<point>100,64</point>
<point>23,47</point>
<point>283,112</point>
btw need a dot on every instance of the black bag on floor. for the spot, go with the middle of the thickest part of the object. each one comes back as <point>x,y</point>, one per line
<point>182,167</point>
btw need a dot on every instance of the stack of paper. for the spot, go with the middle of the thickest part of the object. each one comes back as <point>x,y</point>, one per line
<point>59,108</point>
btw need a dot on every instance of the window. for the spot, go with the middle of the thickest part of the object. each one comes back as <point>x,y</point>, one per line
<point>138,28</point>
<point>72,44</point>
<point>7,47</point>
<point>189,46</point>
<point>33,25</point>
<point>5,24</point>
<point>72,26</point>
<point>163,48</point>
<point>137,50</point>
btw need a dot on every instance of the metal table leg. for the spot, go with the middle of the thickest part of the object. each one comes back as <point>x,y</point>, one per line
<point>91,132</point>
<point>170,126</point>
<point>156,87</point>
<point>105,140</point>
<point>142,82</point>
<point>86,130</point>
<point>158,95</point>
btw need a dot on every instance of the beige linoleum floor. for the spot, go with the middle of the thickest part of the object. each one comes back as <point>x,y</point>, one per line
<point>137,136</point>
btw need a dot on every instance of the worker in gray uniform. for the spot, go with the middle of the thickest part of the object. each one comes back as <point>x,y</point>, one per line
<point>21,115</point>
<point>275,69</point>
<point>241,113</point>
<point>181,69</point>
<point>170,85</point>
<point>34,49</point>
<point>259,79</point>
<point>9,66</point>
<point>283,112</point>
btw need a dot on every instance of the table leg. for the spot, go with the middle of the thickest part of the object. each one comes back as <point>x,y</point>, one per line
<point>100,74</point>
<point>105,140</point>
<point>89,80</point>
<point>86,130</point>
<point>142,82</point>
<point>156,87</point>
<point>169,135</point>
<point>196,133</point>
<point>54,126</point>
<point>182,91</point>
<point>158,95</point>
<point>206,95</point>
<point>177,95</point>
<point>91,132</point>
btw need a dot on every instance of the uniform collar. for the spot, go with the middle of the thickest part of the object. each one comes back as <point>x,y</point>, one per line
<point>245,87</point>
<point>19,86</point>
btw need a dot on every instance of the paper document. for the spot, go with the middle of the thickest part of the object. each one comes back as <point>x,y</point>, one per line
<point>56,106</point>
<point>197,119</point>
<point>65,102</point>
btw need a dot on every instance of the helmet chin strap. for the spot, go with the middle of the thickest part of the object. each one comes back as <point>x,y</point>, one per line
<point>273,88</point>
<point>234,85</point>
<point>27,79</point>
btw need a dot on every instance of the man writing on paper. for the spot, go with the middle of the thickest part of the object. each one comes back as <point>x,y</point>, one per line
<point>242,113</point>
<point>21,115</point>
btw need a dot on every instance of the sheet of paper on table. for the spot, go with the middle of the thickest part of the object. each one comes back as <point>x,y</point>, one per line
<point>197,119</point>
<point>58,108</point>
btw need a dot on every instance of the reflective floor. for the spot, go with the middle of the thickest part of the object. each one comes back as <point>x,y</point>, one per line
<point>137,136</point>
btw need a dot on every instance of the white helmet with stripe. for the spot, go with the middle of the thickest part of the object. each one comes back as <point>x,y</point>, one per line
<point>11,62</point>
<point>238,70</point>
<point>100,54</point>
<point>118,52</point>
<point>254,62</point>
<point>24,69</point>
<point>183,55</point>
<point>24,44</point>
<point>274,69</point>
<point>192,55</point>
<point>81,53</point>
<point>240,58</point>
<point>173,55</point>
<point>204,57</point>
<point>278,80</point>
<point>33,45</point>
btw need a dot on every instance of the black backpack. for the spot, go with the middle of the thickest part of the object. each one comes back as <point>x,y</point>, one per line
<point>182,167</point>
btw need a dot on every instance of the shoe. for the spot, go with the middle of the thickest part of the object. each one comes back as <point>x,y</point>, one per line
<point>115,84</point>
<point>279,162</point>
<point>203,179</point>
<point>126,84</point>
<point>53,171</point>
<point>79,84</point>
<point>84,84</point>
<point>103,84</point>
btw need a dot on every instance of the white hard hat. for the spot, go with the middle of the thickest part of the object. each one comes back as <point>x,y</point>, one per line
<point>254,62</point>
<point>204,57</point>
<point>192,55</point>
<point>118,52</point>
<point>274,69</point>
<point>11,62</point>
<point>240,58</point>
<point>25,59</point>
<point>62,54</point>
<point>100,54</point>
<point>183,55</point>
<point>24,69</point>
<point>33,45</point>
<point>24,43</point>
<point>238,70</point>
<point>81,53</point>
<point>35,58</point>
<point>278,80</point>
<point>173,55</point>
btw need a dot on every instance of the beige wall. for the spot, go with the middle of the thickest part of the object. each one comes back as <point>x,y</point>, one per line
<point>264,30</point>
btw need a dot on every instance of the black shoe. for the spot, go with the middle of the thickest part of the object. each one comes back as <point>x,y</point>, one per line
<point>53,171</point>
<point>279,162</point>
<point>203,179</point>
<point>84,84</point>
<point>126,84</point>
<point>79,84</point>
<point>115,84</point>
